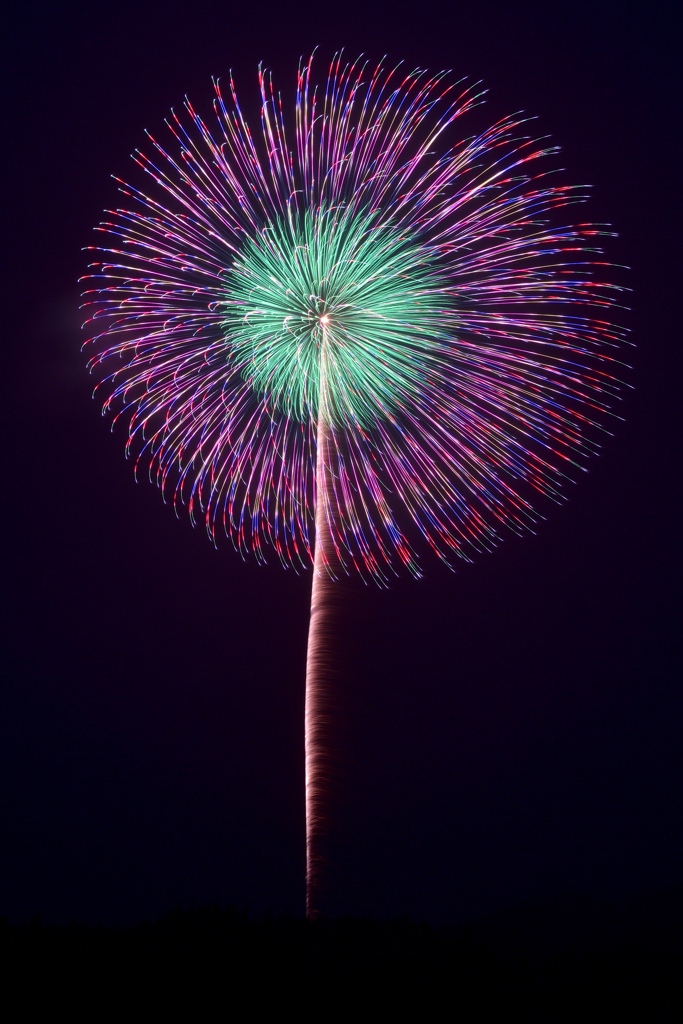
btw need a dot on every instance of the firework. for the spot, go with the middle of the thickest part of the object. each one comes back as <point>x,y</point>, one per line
<point>339,334</point>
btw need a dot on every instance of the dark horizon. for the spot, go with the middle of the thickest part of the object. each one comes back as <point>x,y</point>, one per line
<point>508,732</point>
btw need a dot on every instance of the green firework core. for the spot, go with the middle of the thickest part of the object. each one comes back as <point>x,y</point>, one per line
<point>375,292</point>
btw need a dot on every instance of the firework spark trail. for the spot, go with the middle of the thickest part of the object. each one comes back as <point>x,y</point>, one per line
<point>313,345</point>
<point>322,671</point>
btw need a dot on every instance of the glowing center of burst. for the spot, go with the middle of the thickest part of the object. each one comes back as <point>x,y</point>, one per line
<point>388,314</point>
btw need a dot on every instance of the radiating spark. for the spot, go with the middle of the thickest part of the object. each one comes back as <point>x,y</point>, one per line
<point>468,366</point>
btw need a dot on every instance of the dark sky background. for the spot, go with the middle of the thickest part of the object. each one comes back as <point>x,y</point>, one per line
<point>507,732</point>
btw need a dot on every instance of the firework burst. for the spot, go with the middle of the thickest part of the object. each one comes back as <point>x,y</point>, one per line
<point>352,323</point>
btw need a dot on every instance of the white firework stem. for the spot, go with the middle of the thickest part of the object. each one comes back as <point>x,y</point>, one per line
<point>322,664</point>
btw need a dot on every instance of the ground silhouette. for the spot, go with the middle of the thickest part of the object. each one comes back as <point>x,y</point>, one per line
<point>567,959</point>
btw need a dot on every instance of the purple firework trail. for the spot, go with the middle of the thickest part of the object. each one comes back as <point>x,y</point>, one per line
<point>382,324</point>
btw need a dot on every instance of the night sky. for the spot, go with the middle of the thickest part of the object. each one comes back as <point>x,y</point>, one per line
<point>507,732</point>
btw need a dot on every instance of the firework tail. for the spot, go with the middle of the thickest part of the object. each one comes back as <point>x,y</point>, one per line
<point>320,668</point>
<point>321,663</point>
